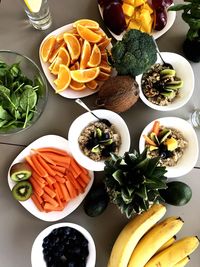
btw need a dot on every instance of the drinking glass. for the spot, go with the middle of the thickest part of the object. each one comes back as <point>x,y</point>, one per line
<point>38,13</point>
<point>195,118</point>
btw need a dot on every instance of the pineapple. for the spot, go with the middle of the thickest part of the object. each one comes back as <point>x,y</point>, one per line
<point>133,182</point>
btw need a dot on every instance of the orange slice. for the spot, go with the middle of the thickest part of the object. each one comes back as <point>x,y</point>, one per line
<point>95,57</point>
<point>63,80</point>
<point>47,48</point>
<point>64,55</point>
<point>103,76</point>
<point>104,43</point>
<point>55,65</point>
<point>75,66</point>
<point>92,84</point>
<point>77,86</point>
<point>105,67</point>
<point>88,23</point>
<point>86,75</point>
<point>55,52</point>
<point>88,34</point>
<point>73,45</point>
<point>85,54</point>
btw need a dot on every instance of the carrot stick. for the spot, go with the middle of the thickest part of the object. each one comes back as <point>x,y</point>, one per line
<point>36,202</point>
<point>44,157</point>
<point>156,127</point>
<point>57,197</point>
<point>65,192</point>
<point>58,158</point>
<point>36,187</point>
<point>85,178</point>
<point>59,179</point>
<point>81,182</point>
<point>74,183</point>
<point>75,167</point>
<point>38,178</point>
<point>58,169</point>
<point>30,162</point>
<point>49,191</point>
<point>58,189</point>
<point>46,166</point>
<point>83,169</point>
<point>50,200</point>
<point>41,185</point>
<point>149,141</point>
<point>49,207</point>
<point>63,164</point>
<point>38,198</point>
<point>72,191</point>
<point>50,180</point>
<point>53,150</point>
<point>40,170</point>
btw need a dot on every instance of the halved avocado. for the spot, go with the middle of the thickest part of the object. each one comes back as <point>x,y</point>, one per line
<point>20,171</point>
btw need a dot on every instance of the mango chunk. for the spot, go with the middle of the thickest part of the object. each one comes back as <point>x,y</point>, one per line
<point>127,9</point>
<point>139,2</point>
<point>134,25</point>
<point>148,7</point>
<point>130,2</point>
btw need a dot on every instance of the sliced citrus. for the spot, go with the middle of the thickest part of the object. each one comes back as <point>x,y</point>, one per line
<point>33,5</point>
<point>88,34</point>
<point>77,86</point>
<point>86,75</point>
<point>63,53</point>
<point>47,48</point>
<point>85,54</point>
<point>95,57</point>
<point>92,84</point>
<point>104,43</point>
<point>105,67</point>
<point>73,45</point>
<point>55,52</point>
<point>90,24</point>
<point>100,32</point>
<point>104,55</point>
<point>75,66</point>
<point>63,80</point>
<point>103,76</point>
<point>55,65</point>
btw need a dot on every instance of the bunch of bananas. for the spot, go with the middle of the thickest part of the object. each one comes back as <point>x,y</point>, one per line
<point>145,242</point>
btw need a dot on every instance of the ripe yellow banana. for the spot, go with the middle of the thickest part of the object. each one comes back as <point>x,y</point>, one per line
<point>176,252</point>
<point>183,262</point>
<point>167,244</point>
<point>132,233</point>
<point>153,240</point>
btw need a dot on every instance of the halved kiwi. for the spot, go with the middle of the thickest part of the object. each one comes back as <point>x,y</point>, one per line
<point>20,171</point>
<point>22,190</point>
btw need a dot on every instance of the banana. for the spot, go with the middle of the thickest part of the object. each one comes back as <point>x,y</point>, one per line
<point>153,240</point>
<point>176,252</point>
<point>131,234</point>
<point>167,244</point>
<point>183,262</point>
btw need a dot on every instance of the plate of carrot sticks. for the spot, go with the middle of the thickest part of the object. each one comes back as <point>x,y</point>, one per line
<point>59,183</point>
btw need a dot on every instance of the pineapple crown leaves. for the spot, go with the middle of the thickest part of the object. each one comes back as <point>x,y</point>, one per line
<point>133,181</point>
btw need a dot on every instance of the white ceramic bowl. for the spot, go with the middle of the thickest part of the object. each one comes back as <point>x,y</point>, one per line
<point>60,143</point>
<point>81,122</point>
<point>191,152</point>
<point>37,259</point>
<point>184,71</point>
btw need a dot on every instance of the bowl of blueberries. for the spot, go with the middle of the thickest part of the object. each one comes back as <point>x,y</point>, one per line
<point>63,244</point>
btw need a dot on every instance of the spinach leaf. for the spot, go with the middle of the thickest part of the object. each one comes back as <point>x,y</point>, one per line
<point>5,96</point>
<point>28,98</point>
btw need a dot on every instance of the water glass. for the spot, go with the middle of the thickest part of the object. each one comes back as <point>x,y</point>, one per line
<point>195,118</point>
<point>38,14</point>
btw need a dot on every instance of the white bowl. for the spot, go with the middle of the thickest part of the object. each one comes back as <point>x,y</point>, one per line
<point>191,152</point>
<point>184,71</point>
<point>37,259</point>
<point>81,122</point>
<point>171,15</point>
<point>60,143</point>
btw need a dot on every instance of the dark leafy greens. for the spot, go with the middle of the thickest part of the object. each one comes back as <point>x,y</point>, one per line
<point>18,97</point>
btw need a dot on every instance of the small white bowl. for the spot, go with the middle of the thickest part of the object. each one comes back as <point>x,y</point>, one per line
<point>81,122</point>
<point>184,71</point>
<point>37,259</point>
<point>191,152</point>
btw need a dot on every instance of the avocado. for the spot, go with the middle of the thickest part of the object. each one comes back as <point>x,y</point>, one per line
<point>171,144</point>
<point>164,134</point>
<point>177,193</point>
<point>20,171</point>
<point>169,72</point>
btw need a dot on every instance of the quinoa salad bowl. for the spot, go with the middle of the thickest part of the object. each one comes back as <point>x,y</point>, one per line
<point>174,141</point>
<point>167,89</point>
<point>92,141</point>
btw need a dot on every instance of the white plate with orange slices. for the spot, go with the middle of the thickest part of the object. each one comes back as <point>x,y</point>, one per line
<point>74,58</point>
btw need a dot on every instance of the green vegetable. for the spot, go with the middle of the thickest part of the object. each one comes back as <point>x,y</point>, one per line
<point>177,193</point>
<point>18,97</point>
<point>134,54</point>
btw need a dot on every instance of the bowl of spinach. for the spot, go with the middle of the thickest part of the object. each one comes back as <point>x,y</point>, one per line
<point>23,92</point>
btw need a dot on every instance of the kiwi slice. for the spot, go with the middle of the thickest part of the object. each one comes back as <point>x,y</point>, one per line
<point>22,190</point>
<point>20,171</point>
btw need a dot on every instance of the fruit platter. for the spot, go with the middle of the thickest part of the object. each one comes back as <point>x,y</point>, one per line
<point>108,173</point>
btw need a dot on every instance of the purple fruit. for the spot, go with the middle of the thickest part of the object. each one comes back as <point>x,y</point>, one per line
<point>161,19</point>
<point>157,4</point>
<point>114,18</point>
<point>104,3</point>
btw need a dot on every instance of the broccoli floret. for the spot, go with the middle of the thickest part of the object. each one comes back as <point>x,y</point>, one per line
<point>134,54</point>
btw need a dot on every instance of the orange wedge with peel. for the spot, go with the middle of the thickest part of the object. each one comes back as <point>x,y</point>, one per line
<point>104,43</point>
<point>103,76</point>
<point>88,34</point>
<point>75,66</point>
<point>64,55</point>
<point>88,23</point>
<point>92,85</point>
<point>86,75</point>
<point>85,54</point>
<point>55,65</point>
<point>105,67</point>
<point>55,52</point>
<point>47,48</point>
<point>73,45</point>
<point>77,86</point>
<point>95,57</point>
<point>63,80</point>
